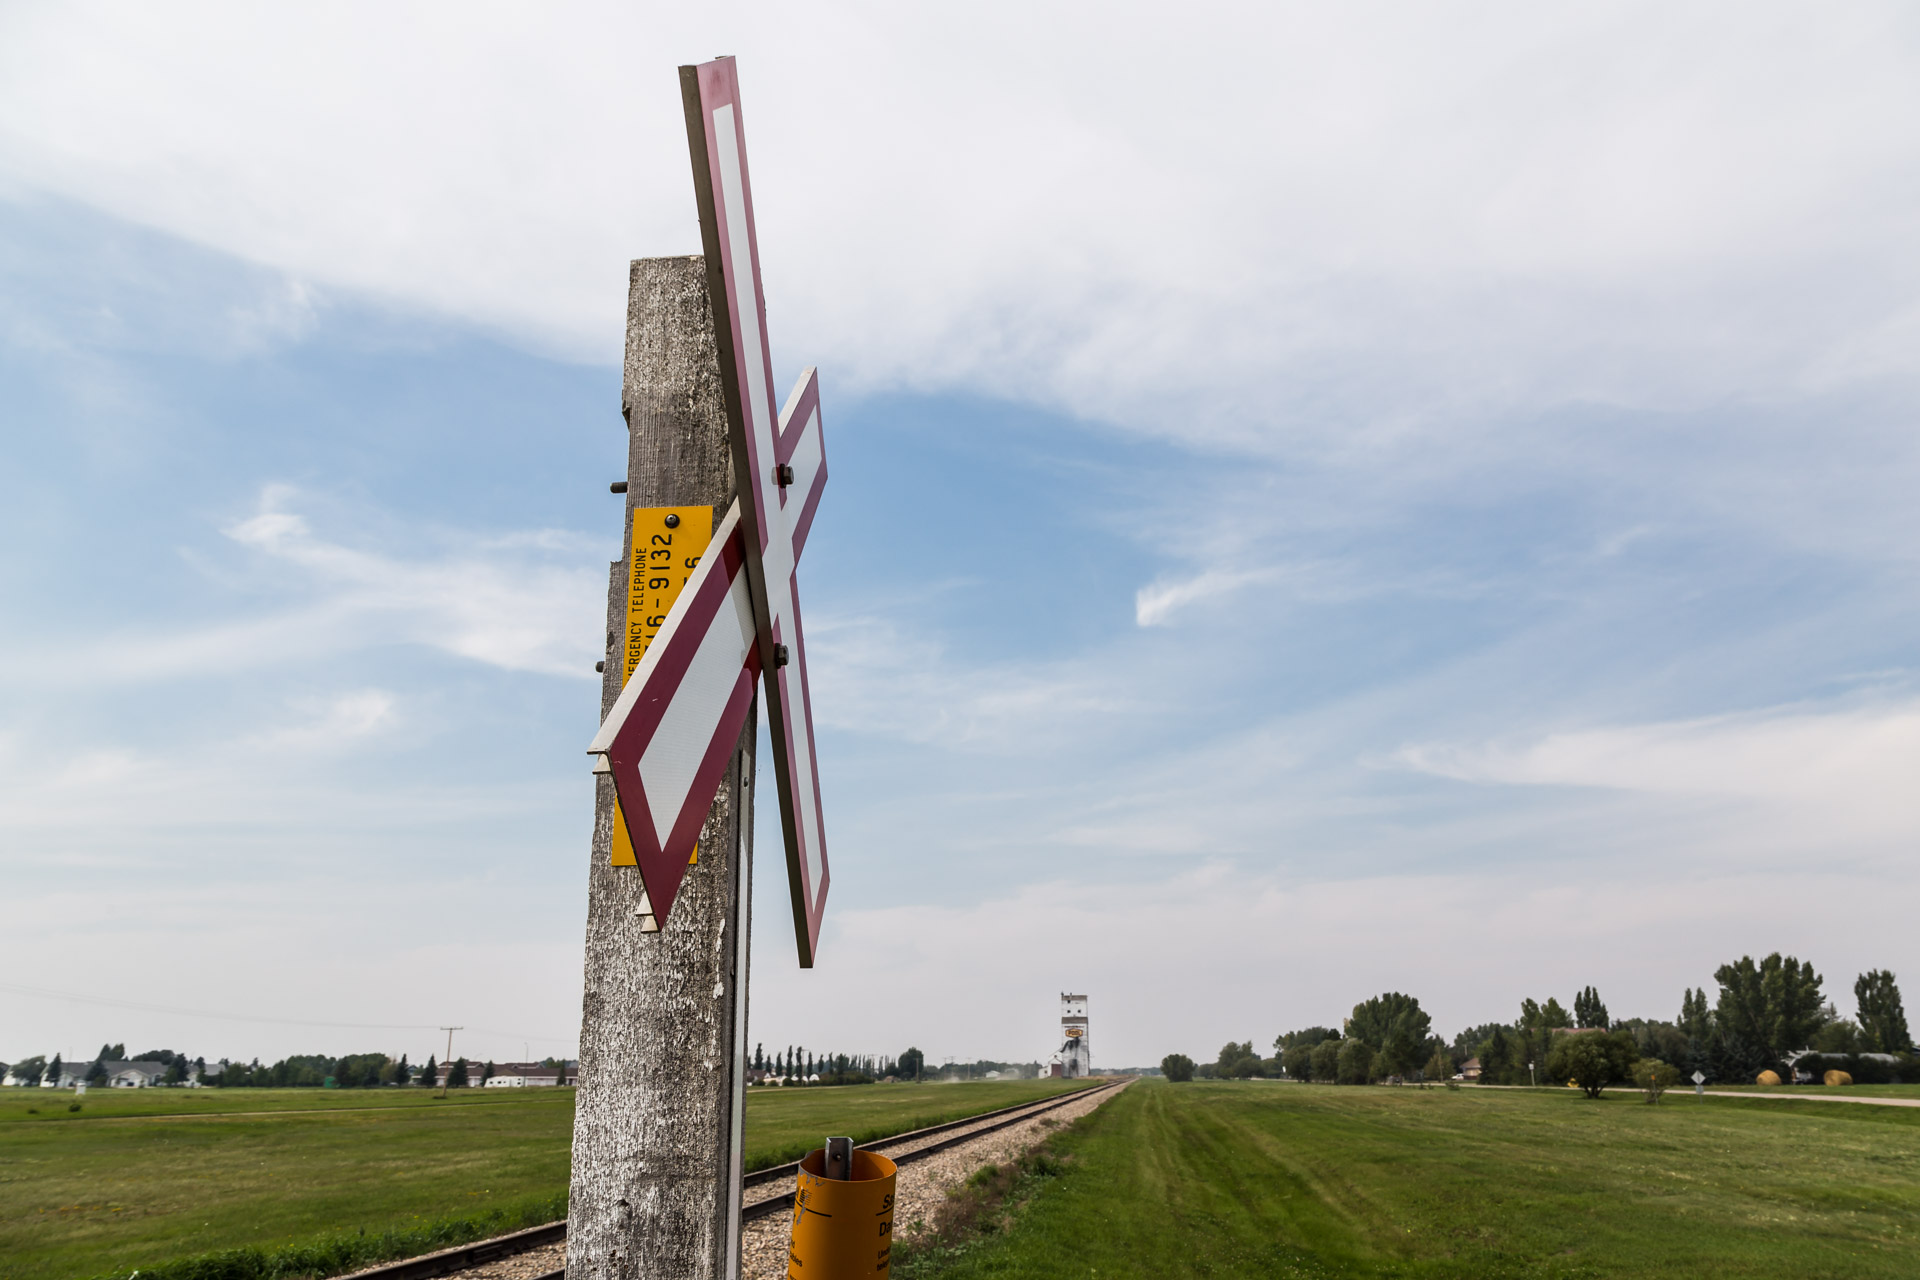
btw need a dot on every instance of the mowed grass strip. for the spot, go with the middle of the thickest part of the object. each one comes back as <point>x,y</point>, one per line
<point>1269,1179</point>
<point>139,1177</point>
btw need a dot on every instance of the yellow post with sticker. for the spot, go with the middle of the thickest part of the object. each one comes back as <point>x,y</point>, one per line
<point>842,1215</point>
<point>667,545</point>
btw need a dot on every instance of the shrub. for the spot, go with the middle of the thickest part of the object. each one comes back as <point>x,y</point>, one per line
<point>1177,1067</point>
<point>1654,1077</point>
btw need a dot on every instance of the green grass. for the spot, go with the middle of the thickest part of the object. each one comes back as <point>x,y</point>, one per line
<point>1252,1179</point>
<point>138,1177</point>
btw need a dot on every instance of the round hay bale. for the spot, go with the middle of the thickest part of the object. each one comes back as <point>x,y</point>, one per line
<point>1767,1077</point>
<point>1837,1077</point>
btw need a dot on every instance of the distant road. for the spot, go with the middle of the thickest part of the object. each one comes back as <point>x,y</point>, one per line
<point>1810,1097</point>
<point>1682,1090</point>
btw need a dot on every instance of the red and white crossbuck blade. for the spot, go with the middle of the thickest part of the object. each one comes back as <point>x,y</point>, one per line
<point>668,739</point>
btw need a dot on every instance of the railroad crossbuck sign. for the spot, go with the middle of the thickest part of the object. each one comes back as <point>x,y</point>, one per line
<point>668,739</point>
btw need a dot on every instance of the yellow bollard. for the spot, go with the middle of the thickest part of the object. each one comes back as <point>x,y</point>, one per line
<point>842,1230</point>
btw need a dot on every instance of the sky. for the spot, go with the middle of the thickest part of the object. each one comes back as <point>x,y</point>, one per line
<point>1322,501</point>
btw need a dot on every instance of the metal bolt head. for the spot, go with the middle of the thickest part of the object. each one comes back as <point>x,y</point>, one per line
<point>599,666</point>
<point>673,521</point>
<point>779,655</point>
<point>618,486</point>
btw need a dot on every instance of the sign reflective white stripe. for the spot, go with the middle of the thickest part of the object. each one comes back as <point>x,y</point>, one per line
<point>774,515</point>
<point>672,760</point>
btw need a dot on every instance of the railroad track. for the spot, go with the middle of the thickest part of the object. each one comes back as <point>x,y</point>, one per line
<point>936,1138</point>
<point>1001,1119</point>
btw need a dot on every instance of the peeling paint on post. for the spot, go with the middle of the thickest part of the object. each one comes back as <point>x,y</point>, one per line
<point>653,1193</point>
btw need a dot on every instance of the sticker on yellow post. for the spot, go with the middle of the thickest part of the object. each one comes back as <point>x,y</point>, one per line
<point>842,1230</point>
<point>667,545</point>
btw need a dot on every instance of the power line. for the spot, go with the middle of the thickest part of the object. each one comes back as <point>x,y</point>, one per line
<point>112,1003</point>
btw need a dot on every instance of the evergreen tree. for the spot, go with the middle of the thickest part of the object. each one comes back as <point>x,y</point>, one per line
<point>1588,1011</point>
<point>430,1074</point>
<point>486,1073</point>
<point>53,1070</point>
<point>402,1073</point>
<point>1883,1019</point>
<point>457,1078</point>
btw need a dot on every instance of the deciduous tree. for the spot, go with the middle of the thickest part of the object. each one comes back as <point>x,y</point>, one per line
<point>1238,1062</point>
<point>1177,1067</point>
<point>1696,1019</point>
<point>1883,1019</point>
<point>1593,1060</point>
<point>1774,1006</point>
<point>1376,1020</point>
<point>1325,1060</point>
<point>1355,1064</point>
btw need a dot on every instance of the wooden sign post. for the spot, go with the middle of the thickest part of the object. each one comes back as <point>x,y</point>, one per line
<point>655,1186</point>
<point>658,1127</point>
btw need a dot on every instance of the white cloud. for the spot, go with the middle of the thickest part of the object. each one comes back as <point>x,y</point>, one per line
<point>516,602</point>
<point>1379,215</point>
<point>334,722</point>
<point>1155,604</point>
<point>875,676</point>
<point>1849,773</point>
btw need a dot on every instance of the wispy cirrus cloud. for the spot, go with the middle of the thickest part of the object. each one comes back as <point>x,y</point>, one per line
<point>1848,771</point>
<point>513,601</point>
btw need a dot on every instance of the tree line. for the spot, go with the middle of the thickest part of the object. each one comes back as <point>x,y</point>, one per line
<point>1769,1015</point>
<point>298,1071</point>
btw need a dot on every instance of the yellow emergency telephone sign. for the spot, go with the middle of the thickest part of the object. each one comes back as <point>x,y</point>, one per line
<point>667,545</point>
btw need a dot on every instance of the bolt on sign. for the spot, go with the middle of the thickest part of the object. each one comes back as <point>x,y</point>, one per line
<point>667,545</point>
<point>669,736</point>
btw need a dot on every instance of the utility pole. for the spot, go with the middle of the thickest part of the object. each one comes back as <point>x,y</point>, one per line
<point>657,1132</point>
<point>447,1063</point>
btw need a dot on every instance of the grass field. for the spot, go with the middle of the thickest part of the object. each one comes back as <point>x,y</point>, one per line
<point>1261,1179</point>
<point>137,1177</point>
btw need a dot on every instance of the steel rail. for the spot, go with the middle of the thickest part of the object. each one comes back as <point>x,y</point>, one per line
<point>774,1204</point>
<point>464,1257</point>
<point>792,1167</point>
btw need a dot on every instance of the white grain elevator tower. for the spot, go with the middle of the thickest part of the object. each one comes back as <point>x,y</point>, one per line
<point>1075,1058</point>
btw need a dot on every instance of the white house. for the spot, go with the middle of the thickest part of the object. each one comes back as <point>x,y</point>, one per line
<point>120,1075</point>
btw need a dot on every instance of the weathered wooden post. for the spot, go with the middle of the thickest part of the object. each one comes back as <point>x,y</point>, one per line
<point>663,1030</point>
<point>657,1133</point>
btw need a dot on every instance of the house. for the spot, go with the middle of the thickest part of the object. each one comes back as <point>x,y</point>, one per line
<point>515,1075</point>
<point>1470,1069</point>
<point>120,1075</point>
